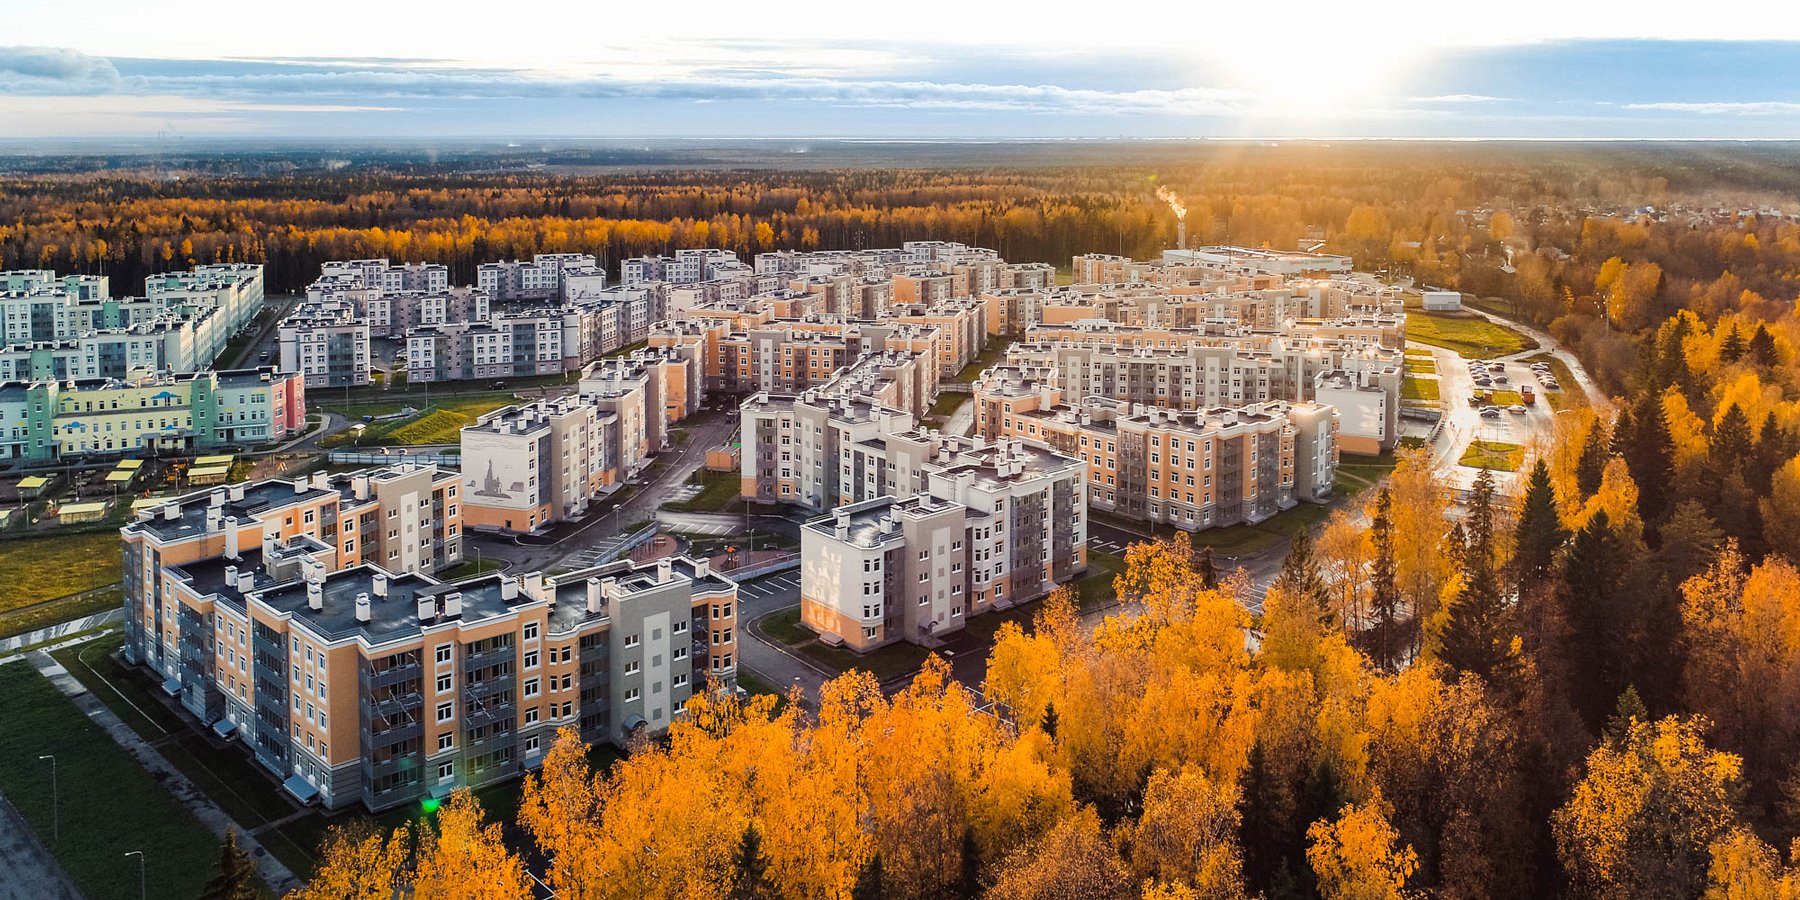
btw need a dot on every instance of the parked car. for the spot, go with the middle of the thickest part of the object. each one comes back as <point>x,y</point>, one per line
<point>1516,409</point>
<point>1490,412</point>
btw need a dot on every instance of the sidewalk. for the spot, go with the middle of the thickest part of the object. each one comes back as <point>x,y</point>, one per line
<point>279,877</point>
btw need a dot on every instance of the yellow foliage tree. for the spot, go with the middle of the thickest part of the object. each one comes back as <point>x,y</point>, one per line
<point>1356,857</point>
<point>463,859</point>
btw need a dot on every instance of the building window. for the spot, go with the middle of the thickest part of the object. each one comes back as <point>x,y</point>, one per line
<point>447,740</point>
<point>631,694</point>
<point>531,631</point>
<point>531,687</point>
<point>446,771</point>
<point>631,640</point>
<point>444,684</point>
<point>531,744</point>
<point>531,716</point>
<point>446,711</point>
<point>531,659</point>
<point>443,654</point>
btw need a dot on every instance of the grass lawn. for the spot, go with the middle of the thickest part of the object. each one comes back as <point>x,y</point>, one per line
<point>1096,587</point>
<point>108,804</point>
<point>1426,365</point>
<point>1571,396</point>
<point>1496,455</point>
<point>436,422</point>
<point>995,352</point>
<point>1474,338</point>
<point>36,569</point>
<point>43,615</point>
<point>947,404</point>
<point>1418,388</point>
<point>784,626</point>
<point>1418,353</point>
<point>1505,398</point>
<point>884,663</point>
<point>468,568</point>
<point>1368,469</point>
<point>718,492</point>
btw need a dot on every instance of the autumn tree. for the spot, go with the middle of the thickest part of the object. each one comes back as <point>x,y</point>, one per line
<point>1300,577</point>
<point>1479,636</point>
<point>1187,835</point>
<point>1384,632</point>
<point>359,863</point>
<point>1356,857</point>
<point>1539,530</point>
<point>1074,861</point>
<point>1642,820</point>
<point>461,858</point>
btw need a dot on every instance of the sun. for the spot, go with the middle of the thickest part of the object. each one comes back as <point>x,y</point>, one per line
<point>1313,74</point>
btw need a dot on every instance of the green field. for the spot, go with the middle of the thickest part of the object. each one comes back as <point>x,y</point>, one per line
<point>1496,455</point>
<point>995,352</point>
<point>784,626</point>
<point>1096,587</point>
<point>468,568</point>
<point>947,404</point>
<point>1418,388</point>
<point>718,492</point>
<point>36,569</point>
<point>1505,398</point>
<point>109,805</point>
<point>1425,366</point>
<point>1474,338</point>
<point>440,423</point>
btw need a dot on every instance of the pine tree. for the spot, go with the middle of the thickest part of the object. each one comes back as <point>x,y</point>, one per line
<point>1048,722</point>
<point>237,878</point>
<point>1479,635</point>
<point>1762,347</point>
<point>1384,592</point>
<point>1627,712</point>
<point>1300,577</point>
<point>1591,467</point>
<point>1650,457</point>
<point>749,868</point>
<point>1539,533</point>
<point>1599,626</point>
<point>1730,445</point>
<point>970,885</point>
<point>1771,452</point>
<point>1209,571</point>
<point>869,880</point>
<point>1731,349</point>
<point>1624,430</point>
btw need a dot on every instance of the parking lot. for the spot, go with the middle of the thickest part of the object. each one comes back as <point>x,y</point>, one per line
<point>769,592</point>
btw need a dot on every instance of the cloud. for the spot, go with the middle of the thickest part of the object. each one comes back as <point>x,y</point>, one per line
<point>1459,98</point>
<point>1724,108</point>
<point>37,69</point>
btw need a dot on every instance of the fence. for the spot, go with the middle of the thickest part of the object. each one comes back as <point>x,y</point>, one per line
<point>791,561</point>
<point>378,458</point>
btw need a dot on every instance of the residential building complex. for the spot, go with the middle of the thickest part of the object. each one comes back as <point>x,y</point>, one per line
<point>327,342</point>
<point>149,413</point>
<point>379,685</point>
<point>972,527</point>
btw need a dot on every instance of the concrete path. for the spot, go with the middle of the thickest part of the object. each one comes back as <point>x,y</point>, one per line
<point>27,870</point>
<point>51,633</point>
<point>277,875</point>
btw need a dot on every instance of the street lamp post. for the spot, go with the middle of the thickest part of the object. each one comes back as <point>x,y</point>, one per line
<point>55,801</point>
<point>143,889</point>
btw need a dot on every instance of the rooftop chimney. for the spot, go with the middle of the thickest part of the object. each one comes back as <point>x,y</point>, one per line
<point>315,595</point>
<point>321,480</point>
<point>594,602</point>
<point>359,486</point>
<point>665,570</point>
<point>427,608</point>
<point>212,518</point>
<point>231,537</point>
<point>216,498</point>
<point>509,587</point>
<point>380,584</point>
<point>453,605</point>
<point>246,580</point>
<point>362,608</point>
<point>172,512</point>
<point>237,491</point>
<point>299,486</point>
<point>703,568</point>
<point>231,575</point>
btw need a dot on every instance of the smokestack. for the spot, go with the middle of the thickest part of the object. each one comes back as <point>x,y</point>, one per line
<point>1181,234</point>
<point>593,596</point>
<point>231,537</point>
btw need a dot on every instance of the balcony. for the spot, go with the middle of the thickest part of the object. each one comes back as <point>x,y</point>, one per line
<point>395,675</point>
<point>392,705</point>
<point>482,716</point>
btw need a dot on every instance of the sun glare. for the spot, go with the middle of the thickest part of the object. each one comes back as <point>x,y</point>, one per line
<point>1314,75</point>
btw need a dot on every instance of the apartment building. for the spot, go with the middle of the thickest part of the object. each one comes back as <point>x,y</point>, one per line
<point>961,328</point>
<point>685,267</point>
<point>632,399</point>
<point>990,526</point>
<point>529,466</point>
<point>326,342</point>
<point>520,343</point>
<point>70,328</point>
<point>361,684</point>
<point>1193,469</point>
<point>151,413</point>
<point>1270,262</point>
<point>562,277</point>
<point>382,278</point>
<point>816,448</point>
<point>669,377</point>
<point>394,314</point>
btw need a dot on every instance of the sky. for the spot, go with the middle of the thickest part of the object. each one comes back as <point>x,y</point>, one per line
<point>923,69</point>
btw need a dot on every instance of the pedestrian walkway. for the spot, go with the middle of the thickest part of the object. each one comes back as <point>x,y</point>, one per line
<point>51,633</point>
<point>278,876</point>
<point>27,870</point>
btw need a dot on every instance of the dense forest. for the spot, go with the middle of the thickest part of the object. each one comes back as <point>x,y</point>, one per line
<point>1587,685</point>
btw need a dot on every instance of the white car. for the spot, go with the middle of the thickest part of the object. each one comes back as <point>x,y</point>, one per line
<point>1516,409</point>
